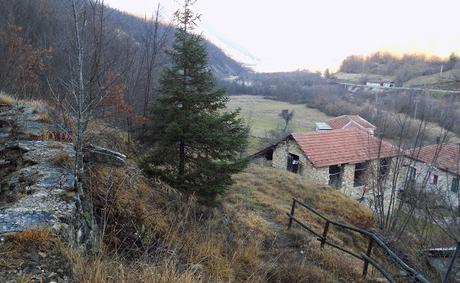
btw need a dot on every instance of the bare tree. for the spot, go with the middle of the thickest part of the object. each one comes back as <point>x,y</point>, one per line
<point>154,41</point>
<point>287,116</point>
<point>92,73</point>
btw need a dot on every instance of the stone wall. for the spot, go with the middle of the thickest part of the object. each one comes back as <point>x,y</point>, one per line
<point>424,179</point>
<point>36,176</point>
<point>320,175</point>
<point>37,180</point>
<point>348,178</point>
<point>306,169</point>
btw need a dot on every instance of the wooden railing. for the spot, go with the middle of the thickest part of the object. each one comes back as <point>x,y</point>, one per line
<point>367,258</point>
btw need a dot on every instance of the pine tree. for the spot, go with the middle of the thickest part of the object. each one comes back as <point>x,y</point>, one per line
<point>196,144</point>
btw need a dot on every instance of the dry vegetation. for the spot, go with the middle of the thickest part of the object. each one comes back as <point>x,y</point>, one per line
<point>6,99</point>
<point>33,256</point>
<point>151,233</point>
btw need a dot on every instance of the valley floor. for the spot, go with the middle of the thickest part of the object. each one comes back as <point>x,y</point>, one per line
<point>261,114</point>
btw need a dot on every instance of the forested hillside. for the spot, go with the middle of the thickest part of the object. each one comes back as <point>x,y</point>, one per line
<point>36,42</point>
<point>294,87</point>
<point>398,68</point>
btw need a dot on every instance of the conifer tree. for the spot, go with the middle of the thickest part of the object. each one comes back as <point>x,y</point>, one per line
<point>196,143</point>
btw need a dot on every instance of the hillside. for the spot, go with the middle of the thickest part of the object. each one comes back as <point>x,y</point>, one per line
<point>446,80</point>
<point>37,49</point>
<point>223,65</point>
<point>151,232</point>
<point>408,70</point>
<point>361,78</point>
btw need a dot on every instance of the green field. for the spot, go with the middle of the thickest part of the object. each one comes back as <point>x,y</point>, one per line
<point>262,115</point>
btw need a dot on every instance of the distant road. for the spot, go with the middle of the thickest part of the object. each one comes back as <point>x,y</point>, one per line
<point>399,88</point>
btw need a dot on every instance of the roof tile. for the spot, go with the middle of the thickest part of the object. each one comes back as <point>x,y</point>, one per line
<point>443,156</point>
<point>350,121</point>
<point>342,146</point>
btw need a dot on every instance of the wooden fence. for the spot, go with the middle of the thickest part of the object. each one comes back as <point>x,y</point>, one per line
<point>367,258</point>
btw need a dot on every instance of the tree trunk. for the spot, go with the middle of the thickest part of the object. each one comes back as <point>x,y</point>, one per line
<point>181,157</point>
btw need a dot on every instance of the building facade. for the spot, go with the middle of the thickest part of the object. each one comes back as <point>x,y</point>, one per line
<point>434,170</point>
<point>345,159</point>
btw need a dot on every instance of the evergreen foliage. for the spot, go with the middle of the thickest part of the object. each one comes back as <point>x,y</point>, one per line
<point>196,144</point>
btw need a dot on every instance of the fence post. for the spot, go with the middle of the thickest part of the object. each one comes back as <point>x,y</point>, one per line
<point>368,253</point>
<point>292,214</point>
<point>326,229</point>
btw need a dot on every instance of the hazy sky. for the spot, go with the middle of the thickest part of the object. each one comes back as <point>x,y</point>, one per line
<point>288,35</point>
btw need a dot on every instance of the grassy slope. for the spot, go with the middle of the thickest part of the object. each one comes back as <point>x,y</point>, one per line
<point>358,78</point>
<point>262,115</point>
<point>161,236</point>
<point>152,233</point>
<point>443,81</point>
<point>434,80</point>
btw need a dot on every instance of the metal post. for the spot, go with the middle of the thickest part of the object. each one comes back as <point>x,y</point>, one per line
<point>451,264</point>
<point>292,213</point>
<point>326,229</point>
<point>368,253</point>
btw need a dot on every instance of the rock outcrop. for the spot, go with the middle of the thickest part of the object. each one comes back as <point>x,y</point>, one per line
<point>37,194</point>
<point>36,176</point>
<point>96,154</point>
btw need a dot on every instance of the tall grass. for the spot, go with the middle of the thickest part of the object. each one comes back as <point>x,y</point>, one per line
<point>151,233</point>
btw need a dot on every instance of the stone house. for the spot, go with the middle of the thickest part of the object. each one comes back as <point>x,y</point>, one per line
<point>345,159</point>
<point>351,122</point>
<point>434,169</point>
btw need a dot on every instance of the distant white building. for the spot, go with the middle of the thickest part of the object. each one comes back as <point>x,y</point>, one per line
<point>381,84</point>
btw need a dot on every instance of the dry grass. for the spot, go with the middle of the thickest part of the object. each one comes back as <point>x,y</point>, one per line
<point>6,99</point>
<point>63,159</point>
<point>104,135</point>
<point>43,117</point>
<point>154,234</point>
<point>38,106</point>
<point>41,238</point>
<point>32,256</point>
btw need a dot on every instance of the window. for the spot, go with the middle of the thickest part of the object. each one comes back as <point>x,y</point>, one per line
<point>360,174</point>
<point>411,173</point>
<point>434,179</point>
<point>293,163</point>
<point>335,176</point>
<point>384,167</point>
<point>269,154</point>
<point>454,186</point>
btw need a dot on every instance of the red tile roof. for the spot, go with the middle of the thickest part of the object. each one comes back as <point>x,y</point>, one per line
<point>443,156</point>
<point>350,121</point>
<point>342,146</point>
